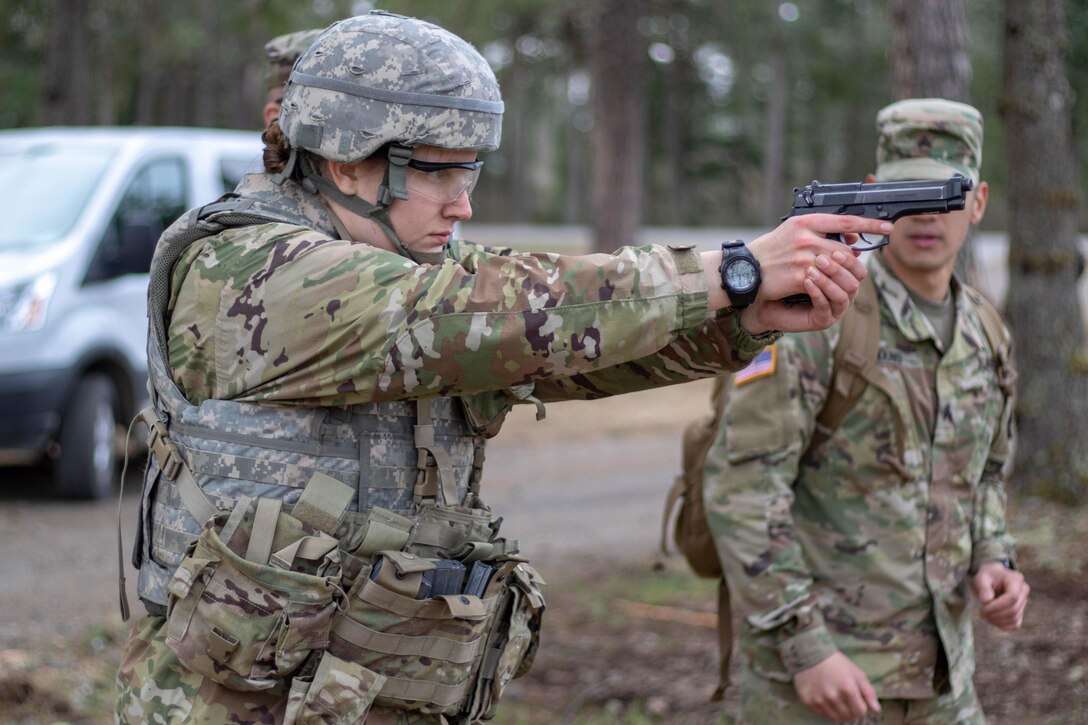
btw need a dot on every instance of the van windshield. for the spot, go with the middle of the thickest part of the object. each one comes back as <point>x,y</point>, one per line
<point>43,189</point>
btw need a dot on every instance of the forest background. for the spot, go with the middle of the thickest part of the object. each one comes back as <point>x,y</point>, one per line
<point>709,72</point>
<point>628,113</point>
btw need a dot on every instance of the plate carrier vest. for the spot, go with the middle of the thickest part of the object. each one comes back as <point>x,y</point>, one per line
<point>393,482</point>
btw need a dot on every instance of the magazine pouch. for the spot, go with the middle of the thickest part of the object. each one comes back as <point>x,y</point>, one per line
<point>513,637</point>
<point>247,610</point>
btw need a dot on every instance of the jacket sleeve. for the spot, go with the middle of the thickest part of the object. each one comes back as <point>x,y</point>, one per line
<point>717,346</point>
<point>303,320</point>
<point>990,540</point>
<point>750,476</point>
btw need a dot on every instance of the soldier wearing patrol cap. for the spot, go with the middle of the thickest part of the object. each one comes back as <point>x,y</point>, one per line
<point>313,543</point>
<point>280,54</point>
<point>855,563</point>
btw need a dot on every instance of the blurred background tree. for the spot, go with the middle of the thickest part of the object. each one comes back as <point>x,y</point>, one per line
<point>725,106</point>
<point>1045,187</point>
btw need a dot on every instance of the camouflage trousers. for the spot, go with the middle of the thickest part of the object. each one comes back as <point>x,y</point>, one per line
<point>154,687</point>
<point>765,701</point>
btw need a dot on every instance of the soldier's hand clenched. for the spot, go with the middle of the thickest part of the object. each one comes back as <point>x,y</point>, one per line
<point>837,689</point>
<point>1003,594</point>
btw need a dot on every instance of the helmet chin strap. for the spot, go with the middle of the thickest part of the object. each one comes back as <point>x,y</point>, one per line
<point>392,187</point>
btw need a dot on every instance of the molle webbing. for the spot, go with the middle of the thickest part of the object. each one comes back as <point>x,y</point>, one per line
<point>433,462</point>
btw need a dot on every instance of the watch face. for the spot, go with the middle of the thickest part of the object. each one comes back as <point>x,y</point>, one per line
<point>741,275</point>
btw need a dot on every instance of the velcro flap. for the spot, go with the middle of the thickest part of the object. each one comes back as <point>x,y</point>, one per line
<point>323,503</point>
<point>385,530</point>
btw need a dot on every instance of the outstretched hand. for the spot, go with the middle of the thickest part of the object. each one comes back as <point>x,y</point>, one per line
<point>797,257</point>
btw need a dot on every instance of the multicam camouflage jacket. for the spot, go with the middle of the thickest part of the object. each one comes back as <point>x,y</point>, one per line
<point>865,545</point>
<point>352,388</point>
<point>365,325</point>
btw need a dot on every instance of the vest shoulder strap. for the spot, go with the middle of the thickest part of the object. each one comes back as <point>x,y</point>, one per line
<point>229,211</point>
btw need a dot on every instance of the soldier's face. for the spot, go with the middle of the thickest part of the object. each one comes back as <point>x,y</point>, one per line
<point>929,243</point>
<point>424,223</point>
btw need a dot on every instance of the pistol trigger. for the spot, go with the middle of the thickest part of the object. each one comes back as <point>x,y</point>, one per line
<point>869,245</point>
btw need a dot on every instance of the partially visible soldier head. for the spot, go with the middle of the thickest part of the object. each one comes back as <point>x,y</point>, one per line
<point>402,96</point>
<point>928,138</point>
<point>281,53</point>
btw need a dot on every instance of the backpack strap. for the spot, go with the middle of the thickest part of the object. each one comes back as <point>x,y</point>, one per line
<point>697,439</point>
<point>725,640</point>
<point>855,356</point>
<point>997,336</point>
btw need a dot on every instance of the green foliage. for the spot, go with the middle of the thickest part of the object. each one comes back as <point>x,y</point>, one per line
<point>201,63</point>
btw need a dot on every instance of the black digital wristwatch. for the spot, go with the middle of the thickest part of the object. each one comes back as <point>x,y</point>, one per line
<point>740,274</point>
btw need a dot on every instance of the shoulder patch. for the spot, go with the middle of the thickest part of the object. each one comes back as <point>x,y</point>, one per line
<point>761,366</point>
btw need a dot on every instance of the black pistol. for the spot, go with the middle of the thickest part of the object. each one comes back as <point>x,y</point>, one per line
<point>878,200</point>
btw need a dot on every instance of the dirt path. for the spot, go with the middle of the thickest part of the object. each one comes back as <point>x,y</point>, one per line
<point>583,492</point>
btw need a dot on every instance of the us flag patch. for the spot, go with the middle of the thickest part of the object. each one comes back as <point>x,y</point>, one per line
<point>761,366</point>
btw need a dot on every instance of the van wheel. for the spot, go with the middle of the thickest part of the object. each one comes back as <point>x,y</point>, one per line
<point>87,466</point>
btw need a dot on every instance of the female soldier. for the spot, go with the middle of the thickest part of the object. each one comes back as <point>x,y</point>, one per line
<point>325,365</point>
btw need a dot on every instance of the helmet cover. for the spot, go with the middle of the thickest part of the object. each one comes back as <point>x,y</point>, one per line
<point>377,79</point>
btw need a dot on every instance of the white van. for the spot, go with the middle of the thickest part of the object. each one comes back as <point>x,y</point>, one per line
<point>81,210</point>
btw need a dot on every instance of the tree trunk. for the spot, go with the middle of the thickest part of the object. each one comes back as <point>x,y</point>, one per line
<point>617,62</point>
<point>1044,262</point>
<point>675,127</point>
<point>774,139</point>
<point>66,81</point>
<point>930,54</point>
<point>930,58</point>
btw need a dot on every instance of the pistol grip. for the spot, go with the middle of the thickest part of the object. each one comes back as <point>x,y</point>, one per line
<point>796,300</point>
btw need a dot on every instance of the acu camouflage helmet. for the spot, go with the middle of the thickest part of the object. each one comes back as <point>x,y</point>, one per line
<point>382,79</point>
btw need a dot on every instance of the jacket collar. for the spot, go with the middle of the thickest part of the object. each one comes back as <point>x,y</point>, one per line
<point>287,201</point>
<point>910,320</point>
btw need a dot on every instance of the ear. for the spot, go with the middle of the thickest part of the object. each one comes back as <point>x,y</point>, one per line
<point>271,112</point>
<point>346,176</point>
<point>978,203</point>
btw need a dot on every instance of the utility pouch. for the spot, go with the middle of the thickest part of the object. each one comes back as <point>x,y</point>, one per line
<point>337,692</point>
<point>427,649</point>
<point>513,638</point>
<point>247,605</point>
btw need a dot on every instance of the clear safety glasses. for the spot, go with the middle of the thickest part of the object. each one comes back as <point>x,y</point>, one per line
<point>443,182</point>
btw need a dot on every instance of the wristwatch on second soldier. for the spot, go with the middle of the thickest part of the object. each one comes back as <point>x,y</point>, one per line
<point>740,274</point>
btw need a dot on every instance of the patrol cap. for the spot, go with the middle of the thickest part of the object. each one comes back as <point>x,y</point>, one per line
<point>928,138</point>
<point>281,53</point>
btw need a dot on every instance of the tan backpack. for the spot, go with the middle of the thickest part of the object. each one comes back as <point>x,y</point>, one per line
<point>854,368</point>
